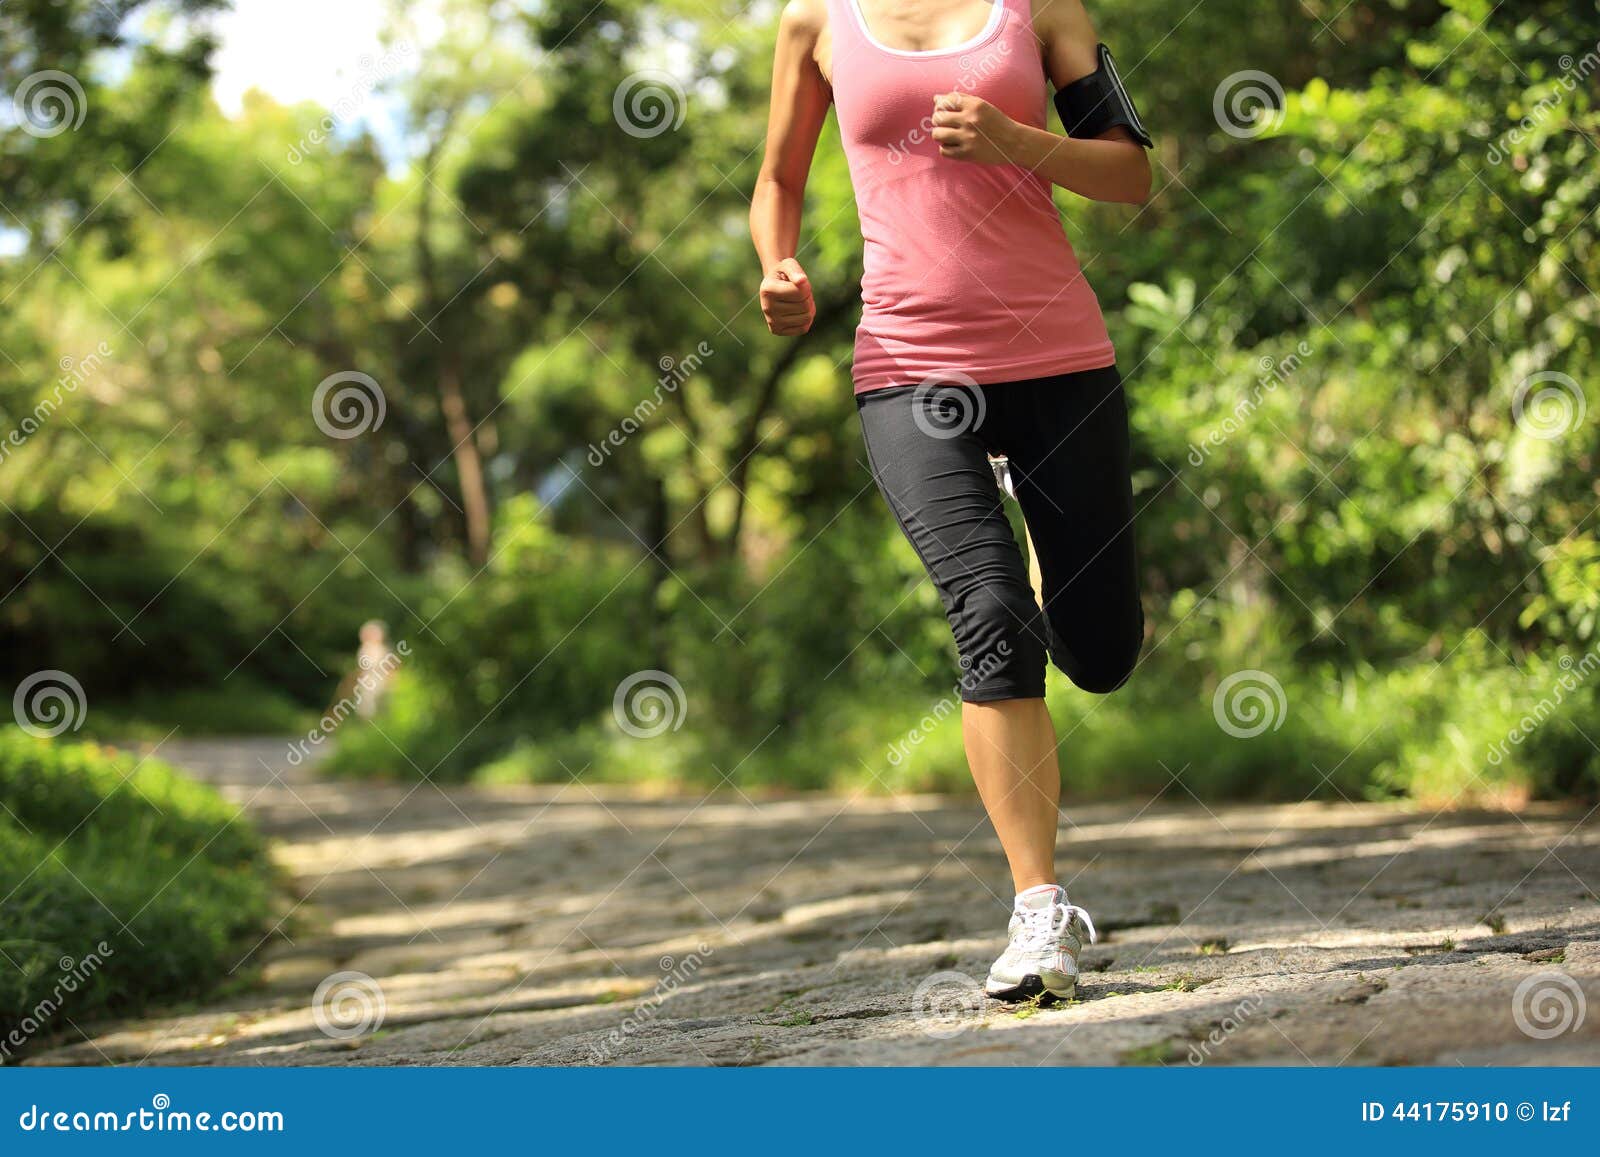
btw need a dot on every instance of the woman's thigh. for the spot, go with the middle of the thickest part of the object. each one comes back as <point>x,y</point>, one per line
<point>935,476</point>
<point>1067,439</point>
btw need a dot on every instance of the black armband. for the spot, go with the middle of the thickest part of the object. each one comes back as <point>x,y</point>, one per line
<point>1098,102</point>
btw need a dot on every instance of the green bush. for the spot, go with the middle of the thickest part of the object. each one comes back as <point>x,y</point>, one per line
<point>523,663</point>
<point>530,647</point>
<point>123,883</point>
<point>239,706</point>
<point>1349,329</point>
<point>138,615</point>
<point>1464,728</point>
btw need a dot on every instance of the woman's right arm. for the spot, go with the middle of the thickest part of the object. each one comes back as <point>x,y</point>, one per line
<point>800,99</point>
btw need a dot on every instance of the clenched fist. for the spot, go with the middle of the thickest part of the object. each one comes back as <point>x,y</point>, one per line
<point>786,299</point>
<point>969,128</point>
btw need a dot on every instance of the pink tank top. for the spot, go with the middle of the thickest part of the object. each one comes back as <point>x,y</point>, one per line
<point>968,273</point>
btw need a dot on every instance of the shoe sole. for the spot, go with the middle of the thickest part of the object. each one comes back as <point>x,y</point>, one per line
<point>1032,987</point>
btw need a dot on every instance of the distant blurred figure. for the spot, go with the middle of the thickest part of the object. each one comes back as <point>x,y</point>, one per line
<point>377,663</point>
<point>360,692</point>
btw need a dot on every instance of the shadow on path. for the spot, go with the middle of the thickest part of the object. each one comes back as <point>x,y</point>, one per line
<point>579,925</point>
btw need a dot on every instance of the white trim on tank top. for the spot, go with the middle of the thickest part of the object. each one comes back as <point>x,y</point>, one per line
<point>996,11</point>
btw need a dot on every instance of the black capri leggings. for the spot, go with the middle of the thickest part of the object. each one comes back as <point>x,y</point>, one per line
<point>1067,439</point>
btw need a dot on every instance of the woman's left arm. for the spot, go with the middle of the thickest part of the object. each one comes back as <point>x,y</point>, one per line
<point>1110,167</point>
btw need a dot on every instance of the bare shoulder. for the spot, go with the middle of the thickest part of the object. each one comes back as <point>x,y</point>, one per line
<point>804,20</point>
<point>1062,21</point>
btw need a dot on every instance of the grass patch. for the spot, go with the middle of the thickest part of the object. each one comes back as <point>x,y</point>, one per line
<point>123,883</point>
<point>239,708</point>
<point>1156,1053</point>
<point>1433,732</point>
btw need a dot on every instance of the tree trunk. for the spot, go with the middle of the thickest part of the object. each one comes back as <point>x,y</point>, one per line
<point>469,463</point>
<point>749,441</point>
<point>470,478</point>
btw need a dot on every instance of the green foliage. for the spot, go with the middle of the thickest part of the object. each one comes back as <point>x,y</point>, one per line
<point>143,883</point>
<point>1350,330</point>
<point>239,706</point>
<point>129,605</point>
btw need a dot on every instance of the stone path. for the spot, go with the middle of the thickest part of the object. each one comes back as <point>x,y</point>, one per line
<point>559,926</point>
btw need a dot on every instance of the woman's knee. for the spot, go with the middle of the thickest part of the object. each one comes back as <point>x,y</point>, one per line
<point>1101,665</point>
<point>1103,677</point>
<point>1000,633</point>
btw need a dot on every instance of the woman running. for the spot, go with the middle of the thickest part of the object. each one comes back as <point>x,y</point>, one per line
<point>979,336</point>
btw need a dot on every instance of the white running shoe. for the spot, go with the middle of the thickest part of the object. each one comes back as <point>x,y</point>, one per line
<point>1042,959</point>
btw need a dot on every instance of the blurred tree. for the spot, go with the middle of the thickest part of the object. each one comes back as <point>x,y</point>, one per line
<point>1356,322</point>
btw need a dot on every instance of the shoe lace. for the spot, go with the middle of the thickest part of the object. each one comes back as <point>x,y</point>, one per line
<point>1042,927</point>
